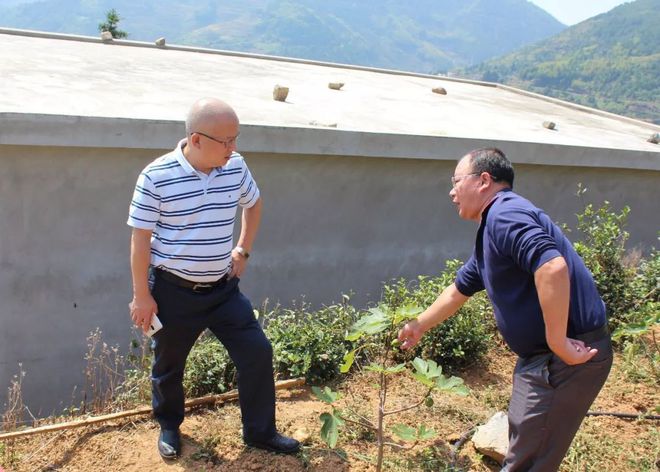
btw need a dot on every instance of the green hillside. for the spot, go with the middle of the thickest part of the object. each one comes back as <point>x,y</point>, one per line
<point>610,62</point>
<point>422,35</point>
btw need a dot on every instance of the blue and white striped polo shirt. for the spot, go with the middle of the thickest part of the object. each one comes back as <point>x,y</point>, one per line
<point>191,214</point>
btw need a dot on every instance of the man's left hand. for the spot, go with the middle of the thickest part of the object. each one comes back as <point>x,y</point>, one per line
<point>238,264</point>
<point>574,352</point>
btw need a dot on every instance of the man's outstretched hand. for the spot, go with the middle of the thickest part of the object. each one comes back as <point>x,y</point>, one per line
<point>410,334</point>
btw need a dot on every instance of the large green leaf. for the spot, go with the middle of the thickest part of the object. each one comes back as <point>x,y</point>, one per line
<point>371,324</point>
<point>423,379</point>
<point>406,312</point>
<point>330,428</point>
<point>395,369</point>
<point>423,434</point>
<point>326,395</point>
<point>404,432</point>
<point>349,358</point>
<point>408,433</point>
<point>374,367</point>
<point>452,384</point>
<point>429,369</point>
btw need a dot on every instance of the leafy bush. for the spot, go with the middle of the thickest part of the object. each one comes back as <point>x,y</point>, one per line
<point>647,281</point>
<point>308,343</point>
<point>629,286</point>
<point>305,343</point>
<point>639,346</point>
<point>209,369</point>
<point>460,340</point>
<point>603,252</point>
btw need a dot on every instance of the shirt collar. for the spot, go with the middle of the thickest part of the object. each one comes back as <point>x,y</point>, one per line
<point>187,166</point>
<point>490,204</point>
<point>178,152</point>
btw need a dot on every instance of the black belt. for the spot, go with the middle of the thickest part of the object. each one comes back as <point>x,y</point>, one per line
<point>189,284</point>
<point>595,335</point>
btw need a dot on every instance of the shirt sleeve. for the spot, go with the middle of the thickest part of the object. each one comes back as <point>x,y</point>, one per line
<point>144,211</point>
<point>521,235</point>
<point>468,281</point>
<point>249,189</point>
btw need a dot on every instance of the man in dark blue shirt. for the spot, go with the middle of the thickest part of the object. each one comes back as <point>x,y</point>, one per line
<point>546,306</point>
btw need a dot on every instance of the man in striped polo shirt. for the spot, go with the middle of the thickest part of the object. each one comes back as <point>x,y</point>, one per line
<point>186,271</point>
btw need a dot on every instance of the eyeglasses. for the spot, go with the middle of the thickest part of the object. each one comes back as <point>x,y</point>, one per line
<point>225,143</point>
<point>457,178</point>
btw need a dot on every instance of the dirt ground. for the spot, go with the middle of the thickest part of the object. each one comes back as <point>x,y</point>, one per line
<point>212,438</point>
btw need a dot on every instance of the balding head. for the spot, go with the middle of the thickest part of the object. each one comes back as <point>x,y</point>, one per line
<point>206,113</point>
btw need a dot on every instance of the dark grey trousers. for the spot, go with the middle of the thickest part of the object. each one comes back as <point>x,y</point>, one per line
<point>549,401</point>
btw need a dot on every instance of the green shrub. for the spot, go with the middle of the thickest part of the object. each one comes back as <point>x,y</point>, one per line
<point>647,281</point>
<point>305,343</point>
<point>629,286</point>
<point>460,340</point>
<point>209,370</point>
<point>603,251</point>
<point>308,343</point>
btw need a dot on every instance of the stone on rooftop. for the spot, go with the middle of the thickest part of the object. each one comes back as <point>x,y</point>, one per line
<point>42,71</point>
<point>280,93</point>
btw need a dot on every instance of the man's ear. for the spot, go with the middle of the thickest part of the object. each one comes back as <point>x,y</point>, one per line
<point>193,140</point>
<point>485,179</point>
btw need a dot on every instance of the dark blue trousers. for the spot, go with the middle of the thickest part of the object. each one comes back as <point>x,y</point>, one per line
<point>225,311</point>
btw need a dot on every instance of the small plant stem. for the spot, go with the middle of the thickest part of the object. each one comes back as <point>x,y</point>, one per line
<point>410,407</point>
<point>387,347</point>
<point>381,416</point>
<point>366,420</point>
<point>400,447</point>
<point>365,424</point>
<point>453,456</point>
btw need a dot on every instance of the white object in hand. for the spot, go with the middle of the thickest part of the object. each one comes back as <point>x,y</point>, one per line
<point>155,325</point>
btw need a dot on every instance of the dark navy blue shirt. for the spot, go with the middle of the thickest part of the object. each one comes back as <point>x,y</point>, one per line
<point>514,239</point>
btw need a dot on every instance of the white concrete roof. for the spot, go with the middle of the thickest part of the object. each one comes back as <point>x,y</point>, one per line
<point>79,76</point>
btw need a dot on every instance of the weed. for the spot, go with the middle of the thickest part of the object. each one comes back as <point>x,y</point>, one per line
<point>14,408</point>
<point>103,373</point>
<point>206,452</point>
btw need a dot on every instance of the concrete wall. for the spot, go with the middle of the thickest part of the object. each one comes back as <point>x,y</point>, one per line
<point>331,224</point>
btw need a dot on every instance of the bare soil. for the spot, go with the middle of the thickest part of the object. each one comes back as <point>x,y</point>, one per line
<point>212,437</point>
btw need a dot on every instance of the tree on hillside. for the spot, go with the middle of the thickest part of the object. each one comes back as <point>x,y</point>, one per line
<point>112,19</point>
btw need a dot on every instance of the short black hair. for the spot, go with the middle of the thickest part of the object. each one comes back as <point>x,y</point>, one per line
<point>493,161</point>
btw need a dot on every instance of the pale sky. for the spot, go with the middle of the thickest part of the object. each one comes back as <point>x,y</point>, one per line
<point>571,12</point>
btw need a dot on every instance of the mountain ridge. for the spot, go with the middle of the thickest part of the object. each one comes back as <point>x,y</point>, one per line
<point>425,36</point>
<point>610,62</point>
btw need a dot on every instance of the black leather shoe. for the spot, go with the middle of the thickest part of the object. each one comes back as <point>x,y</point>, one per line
<point>278,443</point>
<point>169,443</point>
